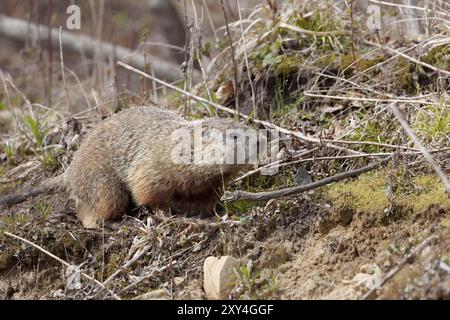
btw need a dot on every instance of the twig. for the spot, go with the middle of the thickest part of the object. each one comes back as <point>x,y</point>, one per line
<point>398,53</point>
<point>6,181</point>
<point>315,95</point>
<point>48,186</point>
<point>49,51</point>
<point>61,57</point>
<point>115,296</point>
<point>208,14</point>
<point>268,195</point>
<point>128,264</point>
<point>421,147</point>
<point>236,82</point>
<point>370,294</point>
<point>371,143</point>
<point>244,46</point>
<point>279,163</point>
<point>310,32</point>
<point>385,3</point>
<point>352,18</point>
<point>88,103</point>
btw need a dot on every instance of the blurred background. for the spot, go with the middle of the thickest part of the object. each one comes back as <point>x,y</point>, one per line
<point>154,29</point>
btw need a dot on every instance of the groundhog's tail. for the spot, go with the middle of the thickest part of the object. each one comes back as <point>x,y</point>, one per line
<point>52,185</point>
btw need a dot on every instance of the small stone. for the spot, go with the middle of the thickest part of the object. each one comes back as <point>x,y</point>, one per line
<point>159,294</point>
<point>218,276</point>
<point>178,280</point>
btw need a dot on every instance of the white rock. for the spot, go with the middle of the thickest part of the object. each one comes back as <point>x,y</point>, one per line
<point>218,276</point>
<point>159,294</point>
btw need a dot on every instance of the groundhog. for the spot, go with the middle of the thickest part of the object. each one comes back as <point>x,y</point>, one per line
<point>134,156</point>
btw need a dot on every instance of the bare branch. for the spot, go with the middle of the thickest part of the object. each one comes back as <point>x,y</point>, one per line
<point>264,196</point>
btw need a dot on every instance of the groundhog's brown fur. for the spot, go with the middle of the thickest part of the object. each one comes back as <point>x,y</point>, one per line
<point>128,156</point>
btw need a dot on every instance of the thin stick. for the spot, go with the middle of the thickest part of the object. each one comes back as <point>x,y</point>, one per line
<point>61,57</point>
<point>405,6</point>
<point>128,264</point>
<point>352,18</point>
<point>311,94</point>
<point>398,53</point>
<point>115,296</point>
<point>236,83</point>
<point>268,195</point>
<point>310,32</point>
<point>279,163</point>
<point>244,45</point>
<point>81,87</point>
<point>371,143</point>
<point>421,147</point>
<point>208,14</point>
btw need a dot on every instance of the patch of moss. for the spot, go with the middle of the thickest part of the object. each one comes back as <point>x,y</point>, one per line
<point>368,194</point>
<point>438,57</point>
<point>288,64</point>
<point>346,63</point>
<point>429,191</point>
<point>8,255</point>
<point>365,194</point>
<point>404,75</point>
<point>115,262</point>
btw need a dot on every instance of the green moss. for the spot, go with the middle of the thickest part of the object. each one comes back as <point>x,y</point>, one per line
<point>347,64</point>
<point>429,191</point>
<point>439,57</point>
<point>367,194</point>
<point>115,262</point>
<point>288,64</point>
<point>404,76</point>
<point>9,254</point>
